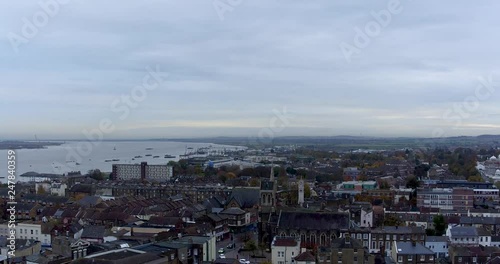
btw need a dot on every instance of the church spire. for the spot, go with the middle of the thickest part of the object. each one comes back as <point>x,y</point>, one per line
<point>271,177</point>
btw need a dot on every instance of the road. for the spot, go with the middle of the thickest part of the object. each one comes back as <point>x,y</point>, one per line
<point>233,253</point>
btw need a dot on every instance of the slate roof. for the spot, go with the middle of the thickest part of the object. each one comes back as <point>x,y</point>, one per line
<point>465,251</point>
<point>410,248</point>
<point>212,203</point>
<point>495,260</point>
<point>95,232</point>
<point>216,217</point>
<point>164,221</point>
<point>435,239</point>
<point>233,211</point>
<point>89,201</point>
<point>344,242</point>
<point>480,220</point>
<point>246,197</point>
<point>313,221</point>
<point>464,231</point>
<point>81,188</point>
<point>75,227</point>
<point>399,230</point>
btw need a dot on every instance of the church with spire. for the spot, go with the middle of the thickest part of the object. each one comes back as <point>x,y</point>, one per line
<point>267,207</point>
<point>314,226</point>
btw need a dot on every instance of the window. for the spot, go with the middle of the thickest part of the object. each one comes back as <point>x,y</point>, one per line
<point>410,258</point>
<point>20,231</point>
<point>459,259</point>
<point>281,254</point>
<point>365,236</point>
<point>422,257</point>
<point>400,259</point>
<point>31,231</point>
<point>474,259</point>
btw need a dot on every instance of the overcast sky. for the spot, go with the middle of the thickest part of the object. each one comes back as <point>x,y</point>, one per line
<point>234,70</point>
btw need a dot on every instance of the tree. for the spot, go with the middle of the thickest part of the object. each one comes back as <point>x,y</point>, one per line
<point>440,225</point>
<point>412,182</point>
<point>40,190</point>
<point>230,175</point>
<point>307,190</point>
<point>392,220</point>
<point>96,174</point>
<point>283,180</point>
<point>222,177</point>
<point>384,184</point>
<point>262,247</point>
<point>254,182</point>
<point>251,246</point>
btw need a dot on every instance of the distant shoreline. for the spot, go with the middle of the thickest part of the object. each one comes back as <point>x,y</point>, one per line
<point>27,144</point>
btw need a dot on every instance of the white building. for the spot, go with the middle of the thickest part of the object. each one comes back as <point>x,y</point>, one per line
<point>58,189</point>
<point>438,244</point>
<point>33,230</point>
<point>463,235</point>
<point>285,249</point>
<point>484,237</point>
<point>54,188</point>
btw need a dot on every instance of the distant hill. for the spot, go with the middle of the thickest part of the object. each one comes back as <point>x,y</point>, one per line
<point>345,142</point>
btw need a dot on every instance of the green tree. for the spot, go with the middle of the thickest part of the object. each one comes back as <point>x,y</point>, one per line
<point>430,232</point>
<point>96,174</point>
<point>412,182</point>
<point>262,247</point>
<point>384,185</point>
<point>440,225</point>
<point>222,177</point>
<point>251,246</point>
<point>40,190</point>
<point>391,220</point>
<point>254,182</point>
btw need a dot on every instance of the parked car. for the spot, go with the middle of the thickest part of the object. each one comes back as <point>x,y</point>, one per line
<point>230,246</point>
<point>222,256</point>
<point>221,250</point>
<point>244,261</point>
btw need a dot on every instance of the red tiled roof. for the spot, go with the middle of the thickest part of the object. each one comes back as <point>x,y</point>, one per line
<point>285,242</point>
<point>305,256</point>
